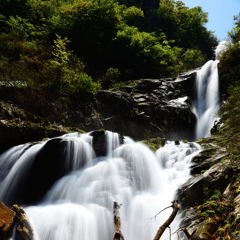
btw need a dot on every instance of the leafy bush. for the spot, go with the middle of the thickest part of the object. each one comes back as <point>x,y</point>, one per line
<point>229,67</point>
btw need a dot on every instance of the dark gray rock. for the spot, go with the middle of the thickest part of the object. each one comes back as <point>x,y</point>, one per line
<point>49,165</point>
<point>217,177</point>
<point>216,126</point>
<point>99,143</point>
<point>205,162</point>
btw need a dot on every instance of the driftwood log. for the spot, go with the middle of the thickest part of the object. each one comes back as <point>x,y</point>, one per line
<point>25,228</point>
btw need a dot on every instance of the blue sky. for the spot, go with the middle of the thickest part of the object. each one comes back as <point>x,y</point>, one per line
<point>220,14</point>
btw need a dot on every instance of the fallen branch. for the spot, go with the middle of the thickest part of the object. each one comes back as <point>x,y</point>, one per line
<point>25,228</point>
<point>169,221</point>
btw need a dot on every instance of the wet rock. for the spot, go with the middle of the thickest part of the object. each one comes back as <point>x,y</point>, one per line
<point>188,82</point>
<point>7,217</point>
<point>99,142</point>
<point>203,161</point>
<point>115,101</point>
<point>228,193</point>
<point>147,85</point>
<point>177,142</point>
<point>187,217</point>
<point>216,126</point>
<point>128,89</point>
<point>206,230</point>
<point>236,214</point>
<point>217,177</point>
<point>50,164</point>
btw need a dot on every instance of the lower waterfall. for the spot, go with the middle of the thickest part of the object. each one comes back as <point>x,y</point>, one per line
<point>79,205</point>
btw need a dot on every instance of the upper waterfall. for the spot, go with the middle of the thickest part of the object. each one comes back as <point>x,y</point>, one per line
<point>207,98</point>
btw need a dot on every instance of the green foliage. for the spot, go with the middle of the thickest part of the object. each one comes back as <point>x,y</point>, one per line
<point>154,143</point>
<point>24,28</point>
<point>212,203</point>
<point>230,113</point>
<point>206,192</point>
<point>60,52</point>
<point>229,70</point>
<point>208,213</point>
<point>229,67</point>
<point>235,233</point>
<point>193,58</point>
<point>186,26</point>
<point>217,195</point>
<point>112,77</point>
<point>125,39</point>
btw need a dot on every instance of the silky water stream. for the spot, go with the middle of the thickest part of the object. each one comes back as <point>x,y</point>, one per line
<point>79,205</point>
<point>207,98</point>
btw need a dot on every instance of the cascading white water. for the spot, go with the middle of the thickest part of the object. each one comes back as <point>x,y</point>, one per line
<point>79,205</point>
<point>113,142</point>
<point>207,89</point>
<point>207,99</point>
<point>16,162</point>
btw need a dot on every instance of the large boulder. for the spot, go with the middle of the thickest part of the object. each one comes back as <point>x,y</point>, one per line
<point>48,166</point>
<point>52,162</point>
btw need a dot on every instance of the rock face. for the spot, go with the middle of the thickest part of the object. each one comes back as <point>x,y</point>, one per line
<point>7,217</point>
<point>216,177</point>
<point>153,108</point>
<point>206,159</point>
<point>143,109</point>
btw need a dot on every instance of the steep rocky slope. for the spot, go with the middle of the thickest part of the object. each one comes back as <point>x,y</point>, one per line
<point>142,109</point>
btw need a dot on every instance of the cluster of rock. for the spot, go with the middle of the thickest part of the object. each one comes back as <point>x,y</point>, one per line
<point>209,198</point>
<point>142,109</point>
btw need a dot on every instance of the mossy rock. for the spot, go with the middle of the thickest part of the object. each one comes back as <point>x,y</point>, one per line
<point>154,143</point>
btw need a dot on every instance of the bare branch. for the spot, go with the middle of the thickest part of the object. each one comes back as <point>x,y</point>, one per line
<point>150,219</point>
<point>169,221</point>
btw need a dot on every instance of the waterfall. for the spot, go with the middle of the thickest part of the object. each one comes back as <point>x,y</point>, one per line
<point>79,205</point>
<point>113,142</point>
<point>207,98</point>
